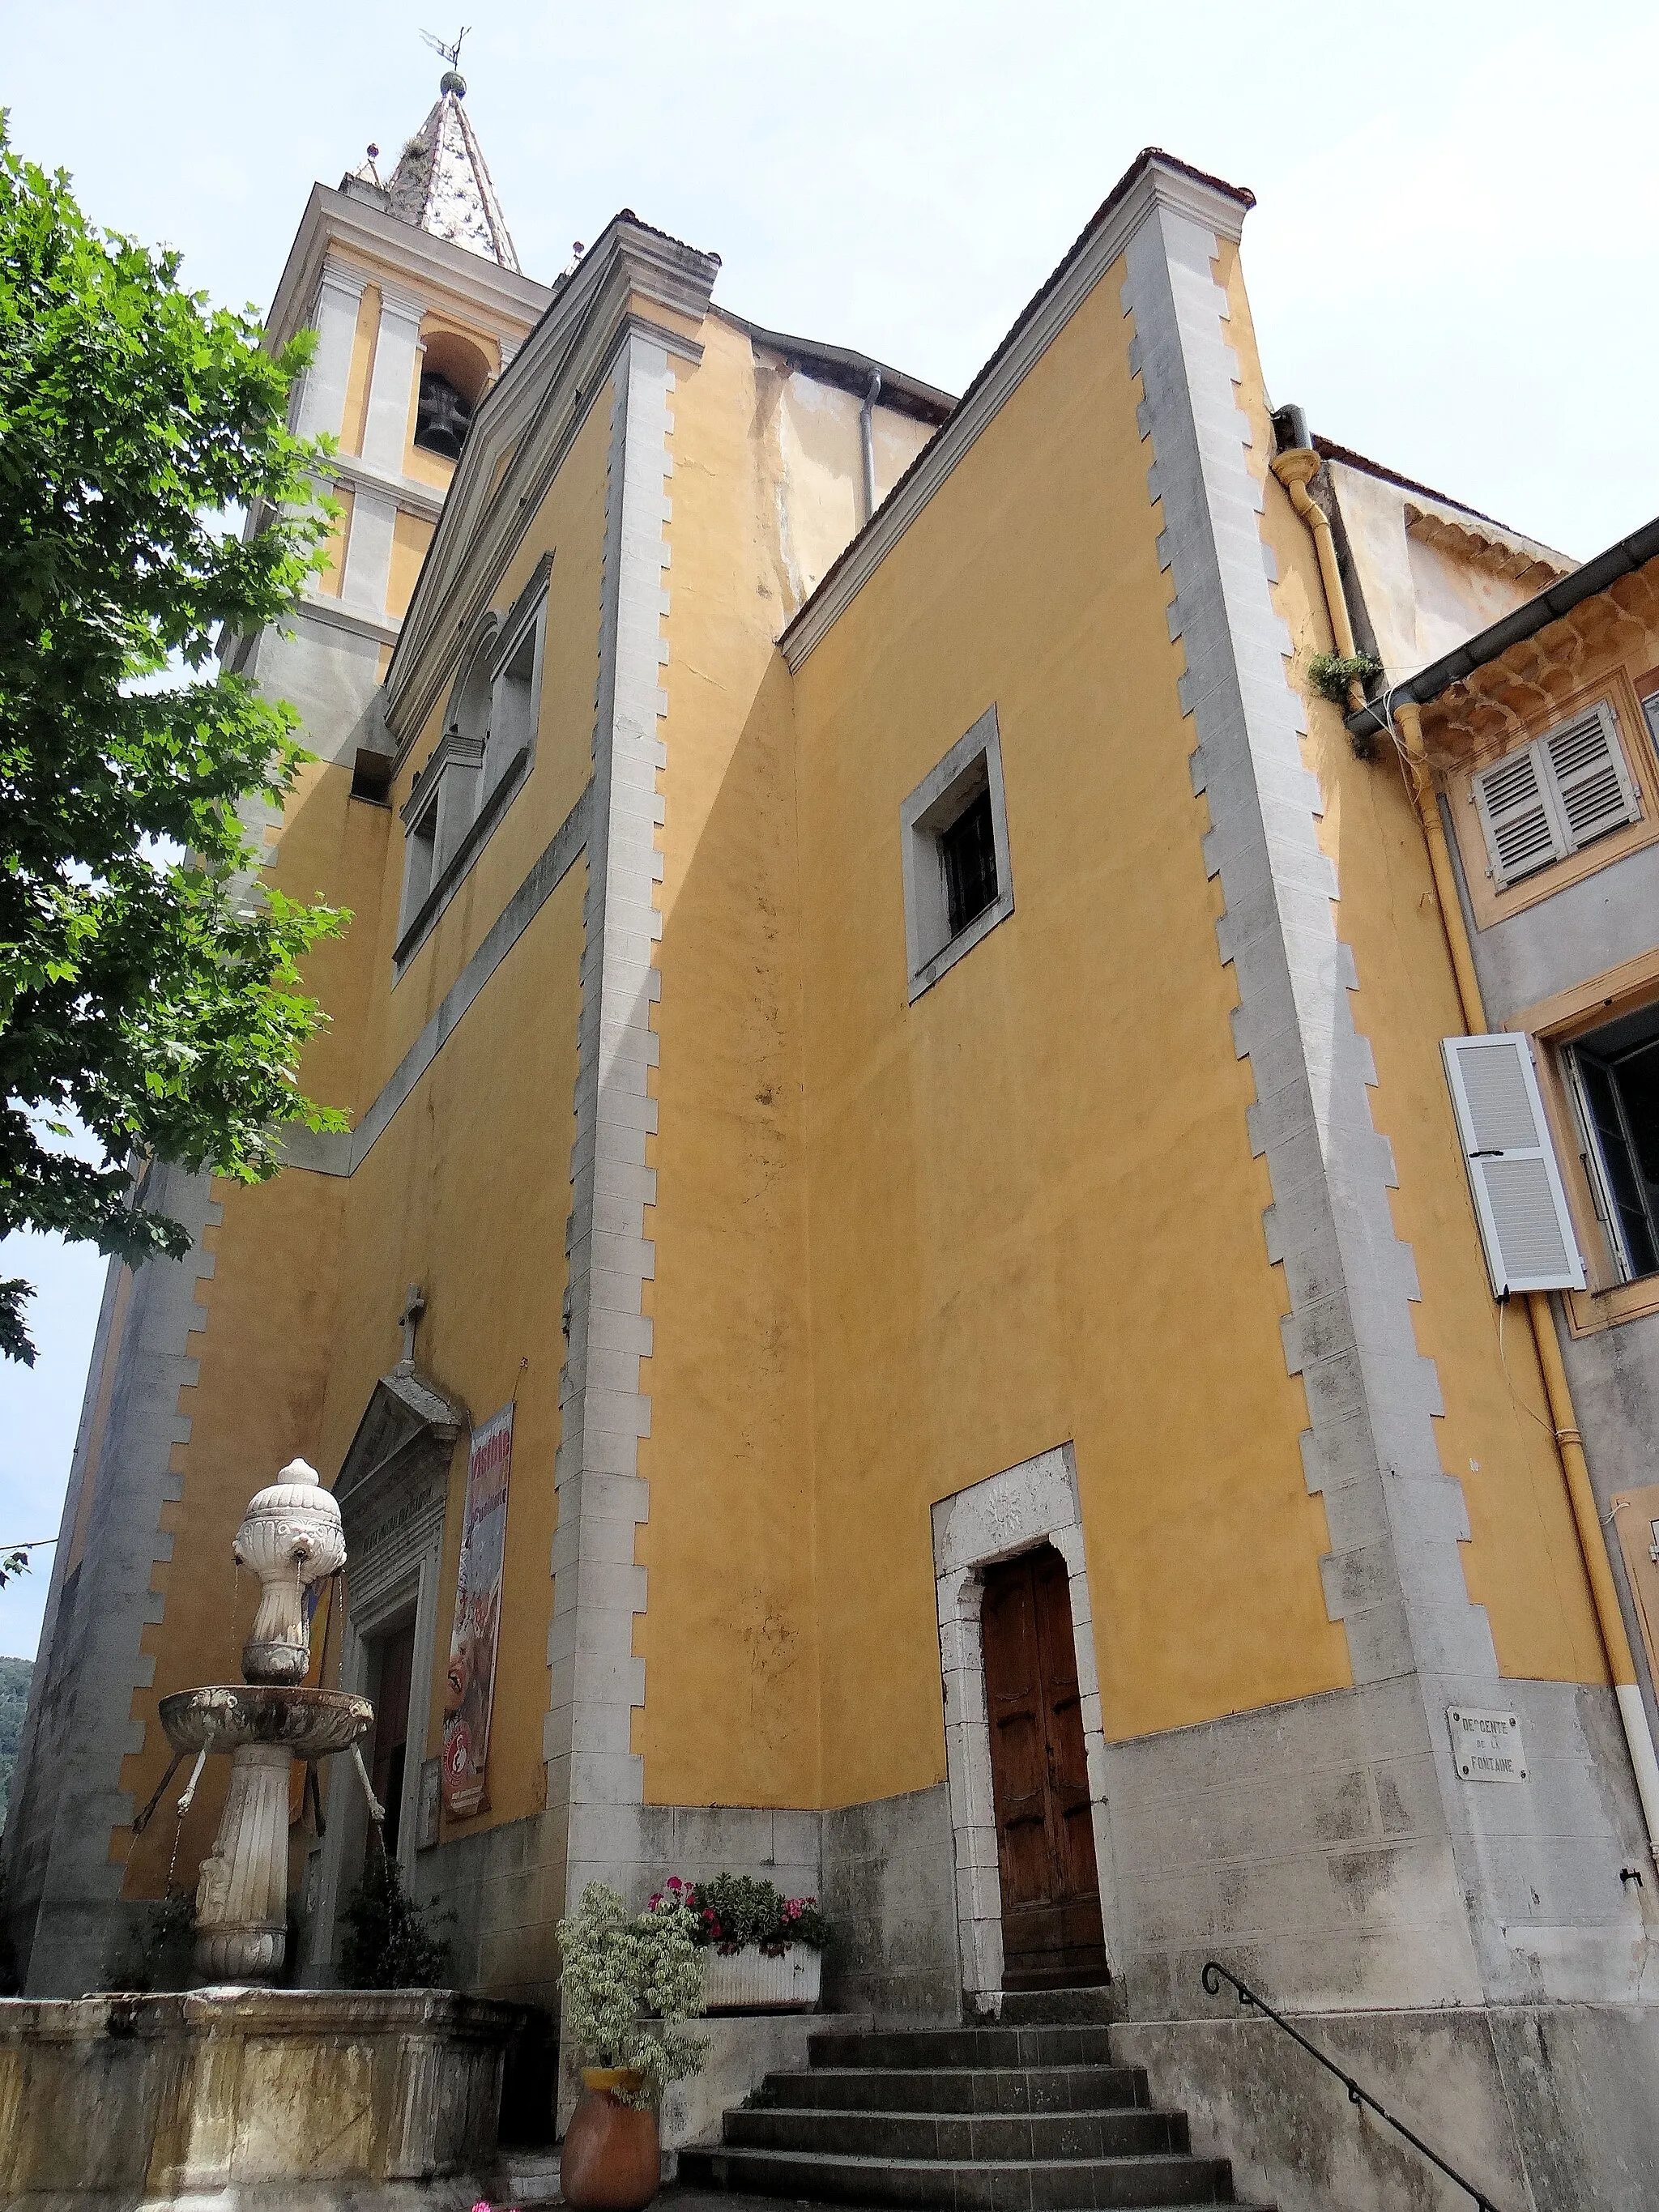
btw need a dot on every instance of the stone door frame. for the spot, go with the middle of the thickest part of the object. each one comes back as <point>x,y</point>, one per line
<point>1032,1504</point>
<point>390,1599</point>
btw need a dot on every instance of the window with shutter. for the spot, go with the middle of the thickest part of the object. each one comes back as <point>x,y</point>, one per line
<point>1519,1198</point>
<point>1593,784</point>
<point>1515,813</point>
<point>1555,796</point>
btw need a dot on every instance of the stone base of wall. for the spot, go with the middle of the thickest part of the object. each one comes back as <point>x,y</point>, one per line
<point>293,2101</point>
<point>1547,2106</point>
<point>884,1871</point>
<point>890,1885</point>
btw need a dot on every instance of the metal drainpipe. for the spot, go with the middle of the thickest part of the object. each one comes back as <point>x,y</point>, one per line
<point>1564,1419</point>
<point>1293,469</point>
<point>867,440</point>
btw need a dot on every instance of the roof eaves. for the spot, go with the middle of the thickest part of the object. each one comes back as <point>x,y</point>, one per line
<point>1328,450</point>
<point>842,365</point>
<point>1620,559</point>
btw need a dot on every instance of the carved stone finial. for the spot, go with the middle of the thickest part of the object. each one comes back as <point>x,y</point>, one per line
<point>291,1538</point>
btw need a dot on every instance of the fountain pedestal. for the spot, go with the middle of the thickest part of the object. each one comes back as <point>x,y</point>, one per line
<point>241,1897</point>
<point>290,1537</point>
<point>241,1892</point>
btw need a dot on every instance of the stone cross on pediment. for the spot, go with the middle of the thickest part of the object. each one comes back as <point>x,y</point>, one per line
<point>409,1320</point>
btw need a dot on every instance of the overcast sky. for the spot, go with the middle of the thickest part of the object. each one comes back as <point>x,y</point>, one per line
<point>1451,261</point>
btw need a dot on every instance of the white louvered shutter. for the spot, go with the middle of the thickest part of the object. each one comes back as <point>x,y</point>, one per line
<point>1518,1195</point>
<point>1592,781</point>
<point>1517,818</point>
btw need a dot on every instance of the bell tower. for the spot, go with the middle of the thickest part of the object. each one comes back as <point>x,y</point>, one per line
<point>414,289</point>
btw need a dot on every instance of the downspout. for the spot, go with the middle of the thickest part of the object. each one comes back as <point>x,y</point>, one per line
<point>1564,1419</point>
<point>867,440</point>
<point>1295,468</point>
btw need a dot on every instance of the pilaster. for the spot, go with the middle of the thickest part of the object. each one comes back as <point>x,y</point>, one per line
<point>96,1649</point>
<point>391,384</point>
<point>321,407</point>
<point>596,1679</point>
<point>1393,1577</point>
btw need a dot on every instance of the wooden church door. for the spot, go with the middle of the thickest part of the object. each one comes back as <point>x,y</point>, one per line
<point>1051,1927</point>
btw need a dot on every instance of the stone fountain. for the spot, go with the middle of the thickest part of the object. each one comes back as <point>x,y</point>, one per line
<point>338,2100</point>
<point>290,1538</point>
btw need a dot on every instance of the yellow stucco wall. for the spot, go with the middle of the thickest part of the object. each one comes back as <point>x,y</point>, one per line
<point>466,1193</point>
<point>467,1190</point>
<point>730,1636</point>
<point>265,1338</point>
<point>1033,1215</point>
<point>570,525</point>
<point>410,536</point>
<point>355,415</point>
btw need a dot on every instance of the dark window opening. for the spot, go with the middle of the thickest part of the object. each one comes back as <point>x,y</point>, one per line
<point>1616,1071</point>
<point>371,777</point>
<point>393,1678</point>
<point>968,853</point>
<point>442,417</point>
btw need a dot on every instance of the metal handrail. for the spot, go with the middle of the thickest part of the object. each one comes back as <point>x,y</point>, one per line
<point>1215,1973</point>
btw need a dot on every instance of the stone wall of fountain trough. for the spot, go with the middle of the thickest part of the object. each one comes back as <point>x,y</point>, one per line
<point>273,2100</point>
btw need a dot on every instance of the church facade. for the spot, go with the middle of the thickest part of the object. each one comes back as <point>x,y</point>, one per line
<point>915,1302</point>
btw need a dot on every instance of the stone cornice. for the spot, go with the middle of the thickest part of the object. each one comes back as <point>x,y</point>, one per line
<point>319,607</point>
<point>418,498</point>
<point>534,412</point>
<point>1154,181</point>
<point>505,302</point>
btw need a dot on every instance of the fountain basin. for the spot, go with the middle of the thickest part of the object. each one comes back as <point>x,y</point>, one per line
<point>271,2100</point>
<point>226,1715</point>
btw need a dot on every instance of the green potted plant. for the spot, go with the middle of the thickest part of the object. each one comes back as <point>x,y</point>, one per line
<point>628,1987</point>
<point>764,1952</point>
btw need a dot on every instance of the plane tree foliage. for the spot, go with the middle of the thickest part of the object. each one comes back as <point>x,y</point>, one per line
<point>150,982</point>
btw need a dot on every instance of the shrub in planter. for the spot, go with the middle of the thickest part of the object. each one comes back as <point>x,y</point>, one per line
<point>764,1949</point>
<point>733,1911</point>
<point>627,1988</point>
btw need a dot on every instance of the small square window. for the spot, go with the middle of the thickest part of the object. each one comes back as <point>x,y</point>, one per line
<point>954,833</point>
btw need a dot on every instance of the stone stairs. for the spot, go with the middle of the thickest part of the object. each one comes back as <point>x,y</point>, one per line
<point>1022,2116</point>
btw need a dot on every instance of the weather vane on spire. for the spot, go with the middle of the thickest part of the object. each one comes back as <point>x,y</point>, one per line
<point>451,54</point>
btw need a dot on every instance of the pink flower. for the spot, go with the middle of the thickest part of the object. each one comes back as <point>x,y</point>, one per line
<point>674,1882</point>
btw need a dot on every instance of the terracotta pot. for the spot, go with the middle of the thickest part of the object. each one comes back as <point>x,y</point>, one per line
<point>612,2160</point>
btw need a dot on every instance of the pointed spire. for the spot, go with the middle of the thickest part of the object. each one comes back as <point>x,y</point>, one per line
<point>442,182</point>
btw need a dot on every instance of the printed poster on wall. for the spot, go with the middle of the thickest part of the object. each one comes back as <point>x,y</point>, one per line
<point>470,1684</point>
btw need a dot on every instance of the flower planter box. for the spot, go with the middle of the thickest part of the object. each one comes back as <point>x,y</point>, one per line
<point>750,1980</point>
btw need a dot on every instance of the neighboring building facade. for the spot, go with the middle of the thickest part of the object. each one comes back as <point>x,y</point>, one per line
<point>900,1045</point>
